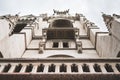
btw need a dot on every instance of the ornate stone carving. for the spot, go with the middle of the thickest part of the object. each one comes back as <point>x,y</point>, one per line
<point>41,46</point>
<point>61,12</point>
<point>44,33</point>
<point>115,15</point>
<point>79,46</point>
<point>77,16</point>
<point>108,21</point>
<point>76,33</point>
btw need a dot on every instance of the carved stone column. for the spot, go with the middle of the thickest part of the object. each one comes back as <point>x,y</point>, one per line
<point>41,46</point>
<point>11,70</point>
<point>68,68</point>
<point>1,68</point>
<point>76,33</point>
<point>91,68</point>
<point>46,68</point>
<point>79,46</point>
<point>44,34</point>
<point>34,70</point>
<point>23,69</point>
<point>103,68</point>
<point>60,44</point>
<point>80,70</point>
<point>57,69</point>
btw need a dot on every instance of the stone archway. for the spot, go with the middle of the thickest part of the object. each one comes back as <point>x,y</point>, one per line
<point>61,23</point>
<point>61,29</point>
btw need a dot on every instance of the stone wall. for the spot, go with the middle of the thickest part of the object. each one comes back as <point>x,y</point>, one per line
<point>115,29</point>
<point>109,45</point>
<point>115,46</point>
<point>4,47</point>
<point>28,34</point>
<point>4,28</point>
<point>13,46</point>
<point>17,45</point>
<point>103,45</point>
<point>92,35</point>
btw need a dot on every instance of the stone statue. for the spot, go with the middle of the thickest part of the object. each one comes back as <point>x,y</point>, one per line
<point>108,21</point>
<point>79,47</point>
<point>41,46</point>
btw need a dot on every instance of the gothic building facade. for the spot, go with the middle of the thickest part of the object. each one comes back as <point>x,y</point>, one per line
<point>59,46</point>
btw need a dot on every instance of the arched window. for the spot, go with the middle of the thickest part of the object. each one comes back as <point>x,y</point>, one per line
<point>61,29</point>
<point>118,55</point>
<point>62,23</point>
<point>40,68</point>
<point>63,68</point>
<point>85,68</point>
<point>51,68</point>
<point>74,68</point>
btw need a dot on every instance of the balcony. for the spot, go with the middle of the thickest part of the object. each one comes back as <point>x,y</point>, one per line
<point>67,69</point>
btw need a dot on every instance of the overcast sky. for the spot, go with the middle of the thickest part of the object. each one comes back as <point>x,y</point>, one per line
<point>90,8</point>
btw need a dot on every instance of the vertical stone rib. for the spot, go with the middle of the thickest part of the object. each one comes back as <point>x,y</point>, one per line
<point>1,68</point>
<point>34,70</point>
<point>60,44</point>
<point>103,68</point>
<point>92,70</point>
<point>12,69</point>
<point>46,68</point>
<point>115,69</point>
<point>57,68</point>
<point>80,70</point>
<point>68,68</point>
<point>23,69</point>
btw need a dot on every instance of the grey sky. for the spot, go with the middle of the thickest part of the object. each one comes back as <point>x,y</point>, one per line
<point>90,8</point>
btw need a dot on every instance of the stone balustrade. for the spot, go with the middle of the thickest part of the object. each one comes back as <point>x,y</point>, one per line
<point>59,69</point>
<point>63,67</point>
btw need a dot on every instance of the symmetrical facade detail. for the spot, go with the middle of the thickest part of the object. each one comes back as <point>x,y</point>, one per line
<point>59,46</point>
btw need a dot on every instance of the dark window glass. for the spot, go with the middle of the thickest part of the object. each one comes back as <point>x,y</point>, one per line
<point>65,44</point>
<point>55,45</point>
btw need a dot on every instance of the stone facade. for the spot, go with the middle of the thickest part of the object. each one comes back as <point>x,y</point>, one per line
<point>68,41</point>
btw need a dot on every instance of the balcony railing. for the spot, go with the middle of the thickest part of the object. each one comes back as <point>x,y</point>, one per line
<point>106,68</point>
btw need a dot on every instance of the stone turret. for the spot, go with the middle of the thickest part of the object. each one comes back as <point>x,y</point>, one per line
<point>113,25</point>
